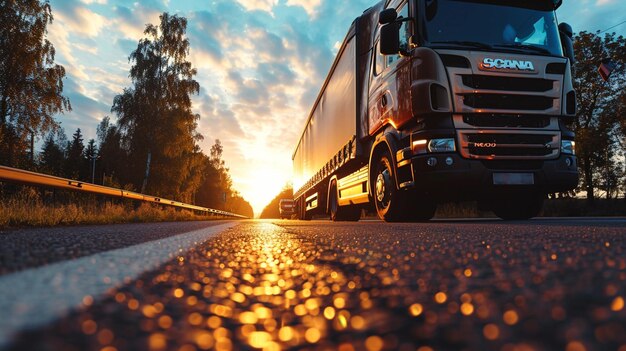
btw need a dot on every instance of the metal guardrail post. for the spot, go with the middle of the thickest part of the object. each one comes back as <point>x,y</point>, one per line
<point>20,176</point>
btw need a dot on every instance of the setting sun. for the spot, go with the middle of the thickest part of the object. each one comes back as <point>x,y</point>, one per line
<point>262,186</point>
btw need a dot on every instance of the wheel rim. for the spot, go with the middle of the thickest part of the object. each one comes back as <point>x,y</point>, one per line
<point>383,185</point>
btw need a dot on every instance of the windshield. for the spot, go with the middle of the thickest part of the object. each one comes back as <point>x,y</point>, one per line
<point>501,26</point>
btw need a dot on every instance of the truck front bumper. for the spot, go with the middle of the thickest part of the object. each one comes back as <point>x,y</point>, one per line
<point>451,177</point>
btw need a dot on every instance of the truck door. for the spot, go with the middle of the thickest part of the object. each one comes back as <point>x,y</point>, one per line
<point>390,86</point>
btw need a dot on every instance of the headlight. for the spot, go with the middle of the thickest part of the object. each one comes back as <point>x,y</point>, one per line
<point>441,145</point>
<point>568,147</point>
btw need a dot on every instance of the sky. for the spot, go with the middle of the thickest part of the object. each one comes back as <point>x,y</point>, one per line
<point>260,66</point>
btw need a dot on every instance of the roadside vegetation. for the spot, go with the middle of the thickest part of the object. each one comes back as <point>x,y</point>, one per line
<point>151,145</point>
<point>31,207</point>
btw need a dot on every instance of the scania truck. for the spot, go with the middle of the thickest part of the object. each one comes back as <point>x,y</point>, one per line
<point>430,101</point>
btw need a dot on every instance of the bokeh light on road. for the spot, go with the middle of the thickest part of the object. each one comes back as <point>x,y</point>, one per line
<point>304,285</point>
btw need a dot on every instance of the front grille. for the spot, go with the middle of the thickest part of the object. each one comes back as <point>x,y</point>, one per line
<point>507,121</point>
<point>509,151</point>
<point>507,83</point>
<point>498,145</point>
<point>517,139</point>
<point>508,102</point>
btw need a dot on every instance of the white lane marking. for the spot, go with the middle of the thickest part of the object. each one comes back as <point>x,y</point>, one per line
<point>38,296</point>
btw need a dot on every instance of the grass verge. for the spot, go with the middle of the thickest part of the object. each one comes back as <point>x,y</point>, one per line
<point>27,209</point>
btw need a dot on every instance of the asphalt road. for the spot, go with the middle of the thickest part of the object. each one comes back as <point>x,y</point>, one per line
<point>27,248</point>
<point>553,284</point>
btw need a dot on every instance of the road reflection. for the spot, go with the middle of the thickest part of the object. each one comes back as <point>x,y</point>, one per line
<point>264,288</point>
<point>261,286</point>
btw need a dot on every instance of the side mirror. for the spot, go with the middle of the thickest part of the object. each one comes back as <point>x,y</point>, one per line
<point>387,16</point>
<point>557,3</point>
<point>390,39</point>
<point>567,41</point>
<point>566,29</point>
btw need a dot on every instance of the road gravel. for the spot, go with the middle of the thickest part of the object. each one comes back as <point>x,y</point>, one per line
<point>451,285</point>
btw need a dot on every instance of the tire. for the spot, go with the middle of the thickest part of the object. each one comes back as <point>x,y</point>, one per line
<point>389,202</point>
<point>302,214</point>
<point>341,213</point>
<point>518,206</point>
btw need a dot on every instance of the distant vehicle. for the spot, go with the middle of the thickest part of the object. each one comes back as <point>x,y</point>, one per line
<point>430,101</point>
<point>286,208</point>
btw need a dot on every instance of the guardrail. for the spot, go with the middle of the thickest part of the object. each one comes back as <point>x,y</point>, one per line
<point>20,176</point>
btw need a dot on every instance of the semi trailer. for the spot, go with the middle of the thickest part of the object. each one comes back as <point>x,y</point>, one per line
<point>430,101</point>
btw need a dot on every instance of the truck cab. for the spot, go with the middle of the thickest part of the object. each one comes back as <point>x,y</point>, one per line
<point>471,100</point>
<point>286,208</point>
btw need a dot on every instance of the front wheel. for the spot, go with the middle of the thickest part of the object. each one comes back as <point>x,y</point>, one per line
<point>518,206</point>
<point>389,201</point>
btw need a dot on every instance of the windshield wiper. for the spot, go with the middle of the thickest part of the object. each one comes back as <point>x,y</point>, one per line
<point>471,44</point>
<point>524,47</point>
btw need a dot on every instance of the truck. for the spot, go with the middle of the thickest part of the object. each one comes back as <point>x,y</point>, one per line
<point>286,208</point>
<point>432,101</point>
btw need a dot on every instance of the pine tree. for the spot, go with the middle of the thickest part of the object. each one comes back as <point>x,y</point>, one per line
<point>90,161</point>
<point>112,162</point>
<point>75,156</point>
<point>52,157</point>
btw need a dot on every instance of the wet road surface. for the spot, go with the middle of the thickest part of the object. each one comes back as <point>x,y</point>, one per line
<point>455,285</point>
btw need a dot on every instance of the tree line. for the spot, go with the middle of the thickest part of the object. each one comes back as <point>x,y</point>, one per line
<point>271,210</point>
<point>153,145</point>
<point>601,118</point>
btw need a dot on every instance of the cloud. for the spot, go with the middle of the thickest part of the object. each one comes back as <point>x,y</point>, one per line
<point>310,6</point>
<point>593,15</point>
<point>130,23</point>
<point>217,118</point>
<point>78,19</point>
<point>205,39</point>
<point>262,5</point>
<point>276,74</point>
<point>86,112</point>
<point>247,91</point>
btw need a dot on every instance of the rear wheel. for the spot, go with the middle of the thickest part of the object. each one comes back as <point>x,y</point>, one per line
<point>518,206</point>
<point>341,213</point>
<point>389,201</point>
<point>302,214</point>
